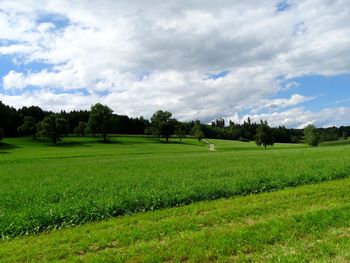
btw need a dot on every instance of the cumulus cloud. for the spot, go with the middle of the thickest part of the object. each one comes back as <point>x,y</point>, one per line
<point>51,101</point>
<point>142,56</point>
<point>299,117</point>
<point>277,104</point>
<point>14,80</point>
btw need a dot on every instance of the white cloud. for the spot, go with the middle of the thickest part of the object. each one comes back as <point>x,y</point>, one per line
<point>291,85</point>
<point>281,103</point>
<point>156,54</point>
<point>14,80</point>
<point>51,101</point>
<point>299,117</point>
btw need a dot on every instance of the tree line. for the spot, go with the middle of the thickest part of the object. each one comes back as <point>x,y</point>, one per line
<point>100,120</point>
<point>11,119</point>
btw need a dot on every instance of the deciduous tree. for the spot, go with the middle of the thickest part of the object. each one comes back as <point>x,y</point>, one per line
<point>80,130</point>
<point>264,135</point>
<point>164,123</point>
<point>180,133</point>
<point>100,120</point>
<point>28,127</point>
<point>311,136</point>
<point>345,135</point>
<point>53,127</point>
<point>199,135</point>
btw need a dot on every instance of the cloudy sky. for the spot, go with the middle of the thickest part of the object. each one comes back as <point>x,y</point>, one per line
<point>284,61</point>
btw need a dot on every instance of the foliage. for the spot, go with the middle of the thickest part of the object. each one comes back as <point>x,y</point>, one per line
<point>100,120</point>
<point>152,131</point>
<point>219,123</point>
<point>28,127</point>
<point>345,135</point>
<point>199,135</point>
<point>264,135</point>
<point>180,133</point>
<point>53,127</point>
<point>81,129</point>
<point>162,121</point>
<point>197,126</point>
<point>197,131</point>
<point>328,134</point>
<point>80,180</point>
<point>1,134</point>
<point>11,118</point>
<point>311,136</point>
<point>148,131</point>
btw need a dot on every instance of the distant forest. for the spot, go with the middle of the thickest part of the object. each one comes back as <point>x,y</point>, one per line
<point>11,119</point>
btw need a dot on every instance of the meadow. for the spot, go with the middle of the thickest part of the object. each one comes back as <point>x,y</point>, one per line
<point>45,187</point>
<point>300,224</point>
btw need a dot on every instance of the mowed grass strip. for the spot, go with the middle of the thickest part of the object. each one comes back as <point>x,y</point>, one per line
<point>307,223</point>
<point>43,187</point>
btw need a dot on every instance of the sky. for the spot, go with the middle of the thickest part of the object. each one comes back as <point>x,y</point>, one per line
<point>287,62</point>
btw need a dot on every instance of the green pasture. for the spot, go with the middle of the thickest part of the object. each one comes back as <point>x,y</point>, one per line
<point>45,187</point>
<point>302,224</point>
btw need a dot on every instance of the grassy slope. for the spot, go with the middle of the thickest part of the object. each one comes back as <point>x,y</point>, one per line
<point>45,187</point>
<point>308,223</point>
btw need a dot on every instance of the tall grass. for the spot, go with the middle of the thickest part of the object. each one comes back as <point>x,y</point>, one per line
<point>331,143</point>
<point>44,187</point>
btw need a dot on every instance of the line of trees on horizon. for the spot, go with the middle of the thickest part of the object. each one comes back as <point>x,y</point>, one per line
<point>100,120</point>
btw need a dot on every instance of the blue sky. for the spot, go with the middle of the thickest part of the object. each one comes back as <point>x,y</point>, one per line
<point>284,61</point>
<point>328,91</point>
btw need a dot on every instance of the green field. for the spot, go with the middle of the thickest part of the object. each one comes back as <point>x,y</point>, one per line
<point>45,187</point>
<point>303,224</point>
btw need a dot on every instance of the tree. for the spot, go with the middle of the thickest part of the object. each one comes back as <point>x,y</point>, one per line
<point>9,120</point>
<point>34,111</point>
<point>197,131</point>
<point>1,134</point>
<point>264,135</point>
<point>199,135</point>
<point>164,123</point>
<point>151,131</point>
<point>100,120</point>
<point>345,135</point>
<point>53,127</point>
<point>80,130</point>
<point>28,127</point>
<point>148,131</point>
<point>180,133</point>
<point>311,137</point>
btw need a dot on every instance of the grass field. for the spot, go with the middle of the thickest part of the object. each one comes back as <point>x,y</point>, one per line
<point>46,187</point>
<point>303,224</point>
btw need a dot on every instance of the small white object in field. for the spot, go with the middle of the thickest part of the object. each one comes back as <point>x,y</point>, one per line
<point>211,147</point>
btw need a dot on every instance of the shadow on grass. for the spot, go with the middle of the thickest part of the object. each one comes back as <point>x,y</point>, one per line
<point>113,142</point>
<point>6,146</point>
<point>64,144</point>
<point>72,144</point>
